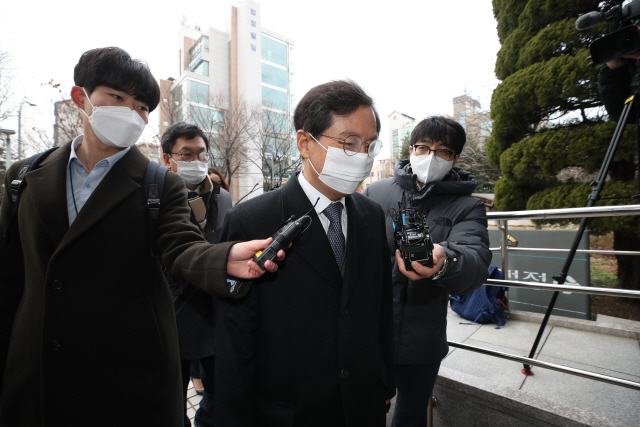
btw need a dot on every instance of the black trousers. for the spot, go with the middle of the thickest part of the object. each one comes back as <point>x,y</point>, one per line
<point>415,384</point>
<point>204,414</point>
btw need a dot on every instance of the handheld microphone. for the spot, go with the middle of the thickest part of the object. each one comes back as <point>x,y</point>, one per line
<point>282,238</point>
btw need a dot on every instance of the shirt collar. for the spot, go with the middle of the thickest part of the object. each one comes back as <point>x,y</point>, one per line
<point>110,161</point>
<point>313,194</point>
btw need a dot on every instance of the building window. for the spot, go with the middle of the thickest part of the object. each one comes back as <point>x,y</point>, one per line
<point>406,131</point>
<point>395,139</point>
<point>274,51</point>
<point>274,76</point>
<point>274,98</point>
<point>202,69</point>
<point>165,100</point>
<point>165,123</point>
<point>276,124</point>
<point>178,94</point>
<point>196,51</point>
<point>198,92</point>
<point>206,118</point>
<point>153,155</point>
<point>486,128</point>
<point>462,118</point>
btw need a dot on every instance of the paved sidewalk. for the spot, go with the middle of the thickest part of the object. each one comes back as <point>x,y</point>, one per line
<point>613,351</point>
<point>193,401</point>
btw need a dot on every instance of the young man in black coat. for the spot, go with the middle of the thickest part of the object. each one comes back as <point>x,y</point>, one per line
<point>87,325</point>
<point>458,227</point>
<point>312,344</point>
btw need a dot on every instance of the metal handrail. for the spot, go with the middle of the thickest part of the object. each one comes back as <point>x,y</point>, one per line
<point>592,211</point>
<point>565,288</point>
<point>579,251</point>
<point>587,212</point>
<point>553,366</point>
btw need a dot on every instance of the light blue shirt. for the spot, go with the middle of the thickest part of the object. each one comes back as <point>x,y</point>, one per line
<point>82,182</point>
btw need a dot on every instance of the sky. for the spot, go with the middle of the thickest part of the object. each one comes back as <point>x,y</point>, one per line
<point>411,56</point>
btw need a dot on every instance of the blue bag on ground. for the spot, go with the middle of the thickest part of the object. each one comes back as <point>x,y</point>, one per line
<point>484,305</point>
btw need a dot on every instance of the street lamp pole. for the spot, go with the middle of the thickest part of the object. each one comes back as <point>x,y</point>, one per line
<point>7,133</point>
<point>19,126</point>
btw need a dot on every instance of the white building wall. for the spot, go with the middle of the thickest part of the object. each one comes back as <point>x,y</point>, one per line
<point>249,86</point>
<point>218,58</point>
<point>396,122</point>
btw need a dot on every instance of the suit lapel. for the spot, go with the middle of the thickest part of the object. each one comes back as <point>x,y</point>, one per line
<point>121,181</point>
<point>358,230</point>
<point>47,186</point>
<point>313,245</point>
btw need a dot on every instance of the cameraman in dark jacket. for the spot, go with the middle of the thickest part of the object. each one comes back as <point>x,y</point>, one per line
<point>614,83</point>
<point>458,227</point>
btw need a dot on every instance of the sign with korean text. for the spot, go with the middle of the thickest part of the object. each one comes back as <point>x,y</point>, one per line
<point>541,266</point>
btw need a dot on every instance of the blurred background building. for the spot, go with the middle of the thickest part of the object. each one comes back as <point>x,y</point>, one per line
<point>236,85</point>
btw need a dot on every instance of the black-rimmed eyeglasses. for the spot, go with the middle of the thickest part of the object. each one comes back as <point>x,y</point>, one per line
<point>441,154</point>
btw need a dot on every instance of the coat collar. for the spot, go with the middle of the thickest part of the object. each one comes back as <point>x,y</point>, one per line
<point>48,189</point>
<point>313,245</point>
<point>358,245</point>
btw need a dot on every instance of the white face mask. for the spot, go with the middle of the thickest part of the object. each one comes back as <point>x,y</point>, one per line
<point>118,127</point>
<point>428,169</point>
<point>341,172</point>
<point>193,172</point>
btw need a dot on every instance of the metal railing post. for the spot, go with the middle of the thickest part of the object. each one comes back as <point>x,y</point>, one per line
<point>504,245</point>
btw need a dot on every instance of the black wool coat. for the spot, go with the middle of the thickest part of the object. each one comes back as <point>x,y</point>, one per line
<point>87,324</point>
<point>308,347</point>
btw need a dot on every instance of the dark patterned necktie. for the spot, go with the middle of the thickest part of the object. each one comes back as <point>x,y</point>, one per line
<point>336,238</point>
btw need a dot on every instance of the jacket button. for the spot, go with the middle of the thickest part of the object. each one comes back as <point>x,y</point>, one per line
<point>345,312</point>
<point>55,345</point>
<point>344,373</point>
<point>57,285</point>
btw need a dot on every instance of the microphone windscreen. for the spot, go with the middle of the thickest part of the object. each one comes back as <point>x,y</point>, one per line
<point>588,20</point>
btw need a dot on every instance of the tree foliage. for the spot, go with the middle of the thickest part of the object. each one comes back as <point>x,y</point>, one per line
<point>404,153</point>
<point>548,117</point>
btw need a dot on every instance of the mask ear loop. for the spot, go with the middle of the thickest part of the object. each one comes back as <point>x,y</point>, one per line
<point>90,103</point>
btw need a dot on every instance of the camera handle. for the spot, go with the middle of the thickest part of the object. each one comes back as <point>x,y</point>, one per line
<point>597,186</point>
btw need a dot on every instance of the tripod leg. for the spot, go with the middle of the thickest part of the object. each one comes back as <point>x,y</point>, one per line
<point>593,198</point>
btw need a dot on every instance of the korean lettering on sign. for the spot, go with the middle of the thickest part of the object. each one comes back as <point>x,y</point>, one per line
<point>254,12</point>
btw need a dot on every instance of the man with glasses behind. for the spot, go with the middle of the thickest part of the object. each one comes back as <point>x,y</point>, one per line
<point>312,345</point>
<point>458,227</point>
<point>185,151</point>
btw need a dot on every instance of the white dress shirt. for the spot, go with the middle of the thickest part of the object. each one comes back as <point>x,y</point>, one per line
<point>313,194</point>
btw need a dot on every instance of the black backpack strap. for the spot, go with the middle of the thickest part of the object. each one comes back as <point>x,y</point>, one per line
<point>153,186</point>
<point>17,184</point>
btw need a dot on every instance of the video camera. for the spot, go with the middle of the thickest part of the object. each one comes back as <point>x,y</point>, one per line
<point>411,234</point>
<point>617,44</point>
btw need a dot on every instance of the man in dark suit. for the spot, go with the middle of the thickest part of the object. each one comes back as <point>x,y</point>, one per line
<point>312,344</point>
<point>87,325</point>
<point>185,150</point>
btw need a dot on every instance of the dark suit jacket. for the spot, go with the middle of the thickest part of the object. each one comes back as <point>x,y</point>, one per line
<point>87,325</point>
<point>308,347</point>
